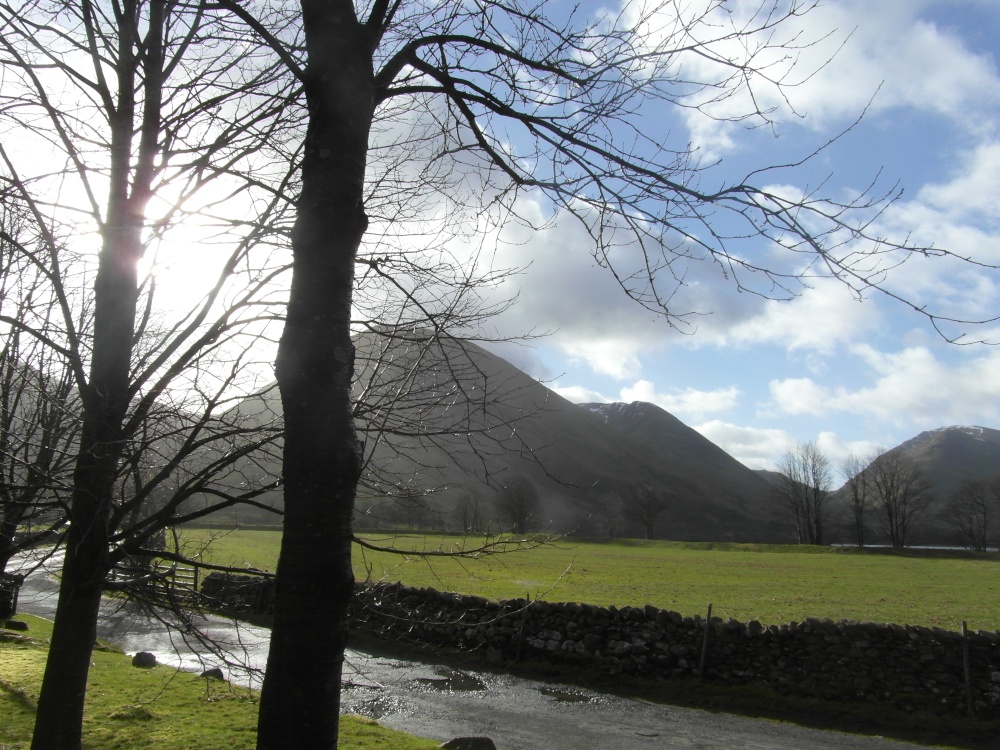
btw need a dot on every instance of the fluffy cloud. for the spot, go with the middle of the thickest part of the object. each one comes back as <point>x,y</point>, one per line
<point>824,317</point>
<point>689,402</point>
<point>912,386</point>
<point>578,394</point>
<point>840,54</point>
<point>837,450</point>
<point>563,290</point>
<point>754,447</point>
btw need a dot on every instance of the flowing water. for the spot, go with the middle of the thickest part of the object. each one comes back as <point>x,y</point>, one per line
<point>440,702</point>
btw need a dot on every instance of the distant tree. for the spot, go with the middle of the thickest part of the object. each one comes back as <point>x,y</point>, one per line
<point>993,488</point>
<point>413,507</point>
<point>470,509</point>
<point>39,411</point>
<point>518,505</point>
<point>612,516</point>
<point>648,504</point>
<point>804,490</point>
<point>970,510</point>
<point>899,492</point>
<point>857,493</point>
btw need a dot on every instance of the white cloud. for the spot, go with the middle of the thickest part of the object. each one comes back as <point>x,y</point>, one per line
<point>579,394</point>
<point>837,450</point>
<point>844,51</point>
<point>760,448</point>
<point>911,387</point>
<point>974,192</point>
<point>821,319</point>
<point>612,356</point>
<point>565,291</point>
<point>753,447</point>
<point>689,402</point>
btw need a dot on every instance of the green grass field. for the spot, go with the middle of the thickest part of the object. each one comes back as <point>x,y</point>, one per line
<point>159,708</point>
<point>770,583</point>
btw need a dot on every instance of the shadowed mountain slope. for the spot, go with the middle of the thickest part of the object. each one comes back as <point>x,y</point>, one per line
<point>444,420</point>
<point>950,455</point>
<point>947,456</point>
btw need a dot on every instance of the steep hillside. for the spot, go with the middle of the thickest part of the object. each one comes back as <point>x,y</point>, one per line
<point>444,422</point>
<point>691,461</point>
<point>950,455</point>
<point>947,456</point>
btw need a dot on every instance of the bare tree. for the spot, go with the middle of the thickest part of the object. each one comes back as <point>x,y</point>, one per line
<point>472,511</point>
<point>857,493</point>
<point>648,504</point>
<point>612,515</point>
<point>509,98</point>
<point>804,490</point>
<point>115,120</point>
<point>38,409</point>
<point>900,494</point>
<point>518,505</point>
<point>970,511</point>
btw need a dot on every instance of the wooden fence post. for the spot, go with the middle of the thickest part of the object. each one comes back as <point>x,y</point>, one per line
<point>970,704</point>
<point>704,644</point>
<point>524,626</point>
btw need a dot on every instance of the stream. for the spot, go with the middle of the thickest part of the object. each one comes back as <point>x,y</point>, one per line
<point>440,702</point>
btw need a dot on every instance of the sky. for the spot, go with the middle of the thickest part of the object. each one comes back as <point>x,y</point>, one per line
<point>757,376</point>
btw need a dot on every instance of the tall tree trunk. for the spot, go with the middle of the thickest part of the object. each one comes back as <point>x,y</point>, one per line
<point>58,724</point>
<point>315,368</point>
<point>105,399</point>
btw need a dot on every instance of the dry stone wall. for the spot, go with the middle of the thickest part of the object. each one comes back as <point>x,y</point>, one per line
<point>914,668</point>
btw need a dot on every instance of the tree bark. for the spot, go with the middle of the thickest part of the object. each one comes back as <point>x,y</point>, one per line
<point>315,367</point>
<point>58,723</point>
<point>59,719</point>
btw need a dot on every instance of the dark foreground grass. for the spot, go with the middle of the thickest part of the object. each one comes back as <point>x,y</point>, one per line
<point>159,708</point>
<point>774,584</point>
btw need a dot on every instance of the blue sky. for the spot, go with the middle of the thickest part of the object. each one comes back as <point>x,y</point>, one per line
<point>756,376</point>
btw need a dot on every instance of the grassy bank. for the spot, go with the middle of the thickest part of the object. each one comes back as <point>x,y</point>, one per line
<point>769,583</point>
<point>158,708</point>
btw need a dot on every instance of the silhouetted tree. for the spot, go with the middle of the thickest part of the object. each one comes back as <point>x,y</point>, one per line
<point>970,511</point>
<point>116,119</point>
<point>472,511</point>
<point>804,490</point>
<point>505,100</point>
<point>611,515</point>
<point>518,505</point>
<point>39,411</point>
<point>900,494</point>
<point>648,504</point>
<point>857,498</point>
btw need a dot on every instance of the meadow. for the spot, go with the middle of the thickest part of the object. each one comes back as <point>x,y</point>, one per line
<point>773,584</point>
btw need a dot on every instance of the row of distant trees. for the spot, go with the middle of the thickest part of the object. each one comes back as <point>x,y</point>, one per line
<point>885,489</point>
<point>516,506</point>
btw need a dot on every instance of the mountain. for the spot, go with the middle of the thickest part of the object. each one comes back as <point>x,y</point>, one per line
<point>947,456</point>
<point>704,477</point>
<point>950,455</point>
<point>445,420</point>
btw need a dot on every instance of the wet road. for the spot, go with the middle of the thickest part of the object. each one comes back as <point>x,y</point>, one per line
<point>438,702</point>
